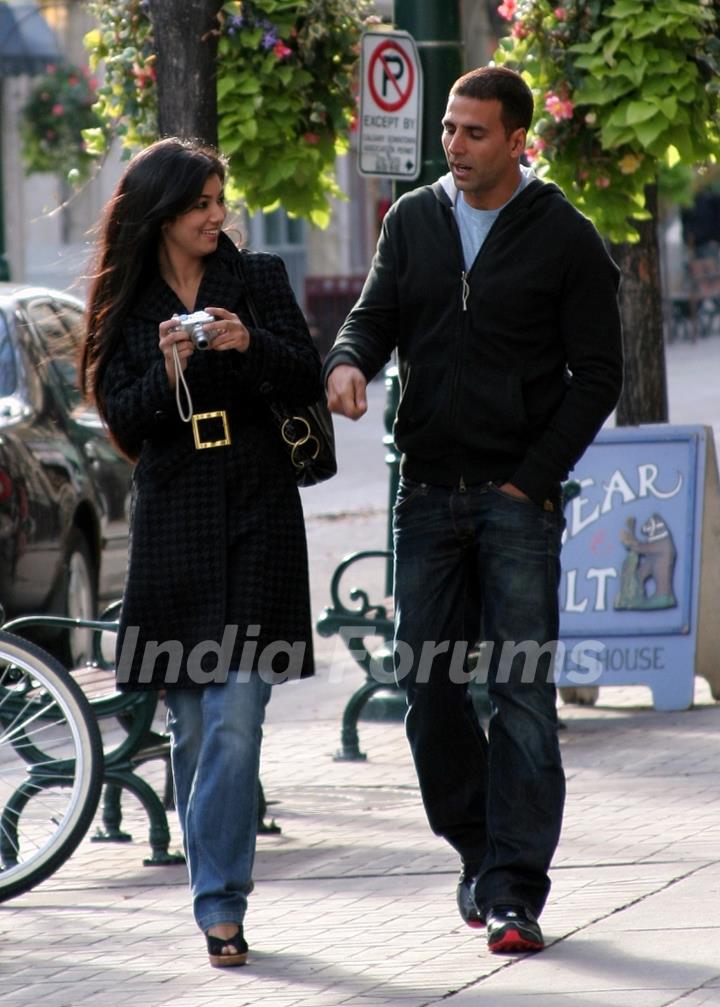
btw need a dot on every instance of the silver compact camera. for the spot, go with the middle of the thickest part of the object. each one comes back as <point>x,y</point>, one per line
<point>193,325</point>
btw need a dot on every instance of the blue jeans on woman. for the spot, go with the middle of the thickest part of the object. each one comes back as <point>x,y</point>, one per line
<point>216,733</point>
<point>474,564</point>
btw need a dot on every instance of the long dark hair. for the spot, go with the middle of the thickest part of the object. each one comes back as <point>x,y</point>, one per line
<point>160,183</point>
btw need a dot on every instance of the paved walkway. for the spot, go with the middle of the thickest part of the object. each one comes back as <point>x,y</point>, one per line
<point>354,900</point>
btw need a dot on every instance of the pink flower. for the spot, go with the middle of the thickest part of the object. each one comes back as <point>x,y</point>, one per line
<point>281,50</point>
<point>560,13</point>
<point>311,138</point>
<point>58,109</point>
<point>558,108</point>
<point>535,149</point>
<point>507,9</point>
<point>519,30</point>
<point>602,181</point>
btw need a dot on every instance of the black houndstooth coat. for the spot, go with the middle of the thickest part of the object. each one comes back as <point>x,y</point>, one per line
<point>217,573</point>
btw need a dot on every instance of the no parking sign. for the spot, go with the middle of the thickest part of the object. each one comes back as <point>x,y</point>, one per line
<point>390,106</point>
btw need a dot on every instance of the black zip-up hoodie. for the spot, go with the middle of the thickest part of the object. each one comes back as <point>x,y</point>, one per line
<point>508,370</point>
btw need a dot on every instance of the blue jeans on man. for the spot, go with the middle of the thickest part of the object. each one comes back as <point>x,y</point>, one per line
<point>475,564</point>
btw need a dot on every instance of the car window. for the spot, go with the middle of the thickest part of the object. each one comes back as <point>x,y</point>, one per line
<point>8,363</point>
<point>58,326</point>
<point>74,321</point>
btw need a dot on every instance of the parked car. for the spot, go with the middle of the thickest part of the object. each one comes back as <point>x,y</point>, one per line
<point>64,489</point>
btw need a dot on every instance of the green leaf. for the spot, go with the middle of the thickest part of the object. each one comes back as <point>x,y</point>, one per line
<point>230,142</point>
<point>672,156</point>
<point>669,107</point>
<point>320,218</point>
<point>609,50</point>
<point>681,138</point>
<point>624,8</point>
<point>634,73</point>
<point>616,136</point>
<point>649,131</point>
<point>224,86</point>
<point>247,84</point>
<point>271,176</point>
<point>639,111</point>
<point>284,74</point>
<point>95,140</point>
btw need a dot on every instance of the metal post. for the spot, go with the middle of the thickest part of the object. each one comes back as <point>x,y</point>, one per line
<point>436,30</point>
<point>4,266</point>
<point>435,27</point>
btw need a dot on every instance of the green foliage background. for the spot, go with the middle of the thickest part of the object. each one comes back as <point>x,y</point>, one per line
<point>285,85</point>
<point>623,88</point>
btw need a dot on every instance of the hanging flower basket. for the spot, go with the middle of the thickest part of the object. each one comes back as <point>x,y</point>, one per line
<point>59,108</point>
<point>624,89</point>
<point>285,85</point>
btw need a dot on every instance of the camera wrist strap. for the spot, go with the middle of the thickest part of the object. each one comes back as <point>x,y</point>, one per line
<point>180,381</point>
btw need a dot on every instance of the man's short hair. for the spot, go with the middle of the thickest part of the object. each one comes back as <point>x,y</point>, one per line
<point>499,83</point>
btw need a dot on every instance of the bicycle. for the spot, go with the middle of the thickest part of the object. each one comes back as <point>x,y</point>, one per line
<point>51,765</point>
<point>52,743</point>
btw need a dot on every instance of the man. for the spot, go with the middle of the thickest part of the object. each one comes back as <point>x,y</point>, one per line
<point>501,302</point>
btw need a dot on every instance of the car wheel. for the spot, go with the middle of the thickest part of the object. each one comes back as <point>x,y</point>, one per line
<point>79,600</point>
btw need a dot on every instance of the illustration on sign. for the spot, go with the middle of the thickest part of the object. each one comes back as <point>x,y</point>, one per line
<point>646,579</point>
<point>620,554</point>
<point>390,106</point>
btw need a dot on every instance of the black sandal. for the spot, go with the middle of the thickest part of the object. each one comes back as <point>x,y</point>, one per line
<point>215,947</point>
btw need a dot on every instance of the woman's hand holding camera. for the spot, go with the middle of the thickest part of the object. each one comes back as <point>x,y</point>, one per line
<point>227,332</point>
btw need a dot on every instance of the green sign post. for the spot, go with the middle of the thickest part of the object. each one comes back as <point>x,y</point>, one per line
<point>435,29</point>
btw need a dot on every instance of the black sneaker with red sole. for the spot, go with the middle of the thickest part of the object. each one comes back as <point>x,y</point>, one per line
<point>513,930</point>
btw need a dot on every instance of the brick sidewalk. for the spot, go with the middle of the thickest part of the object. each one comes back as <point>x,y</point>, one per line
<point>354,900</point>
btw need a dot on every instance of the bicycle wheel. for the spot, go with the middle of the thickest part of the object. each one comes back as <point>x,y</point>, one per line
<point>51,765</point>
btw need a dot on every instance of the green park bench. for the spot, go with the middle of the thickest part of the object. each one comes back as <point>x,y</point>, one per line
<point>138,742</point>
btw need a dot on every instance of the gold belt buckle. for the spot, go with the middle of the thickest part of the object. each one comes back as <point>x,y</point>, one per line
<point>220,414</point>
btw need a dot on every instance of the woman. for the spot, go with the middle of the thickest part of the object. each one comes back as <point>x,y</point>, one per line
<point>216,605</point>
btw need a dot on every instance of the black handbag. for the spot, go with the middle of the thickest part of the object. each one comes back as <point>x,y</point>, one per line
<point>306,431</point>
